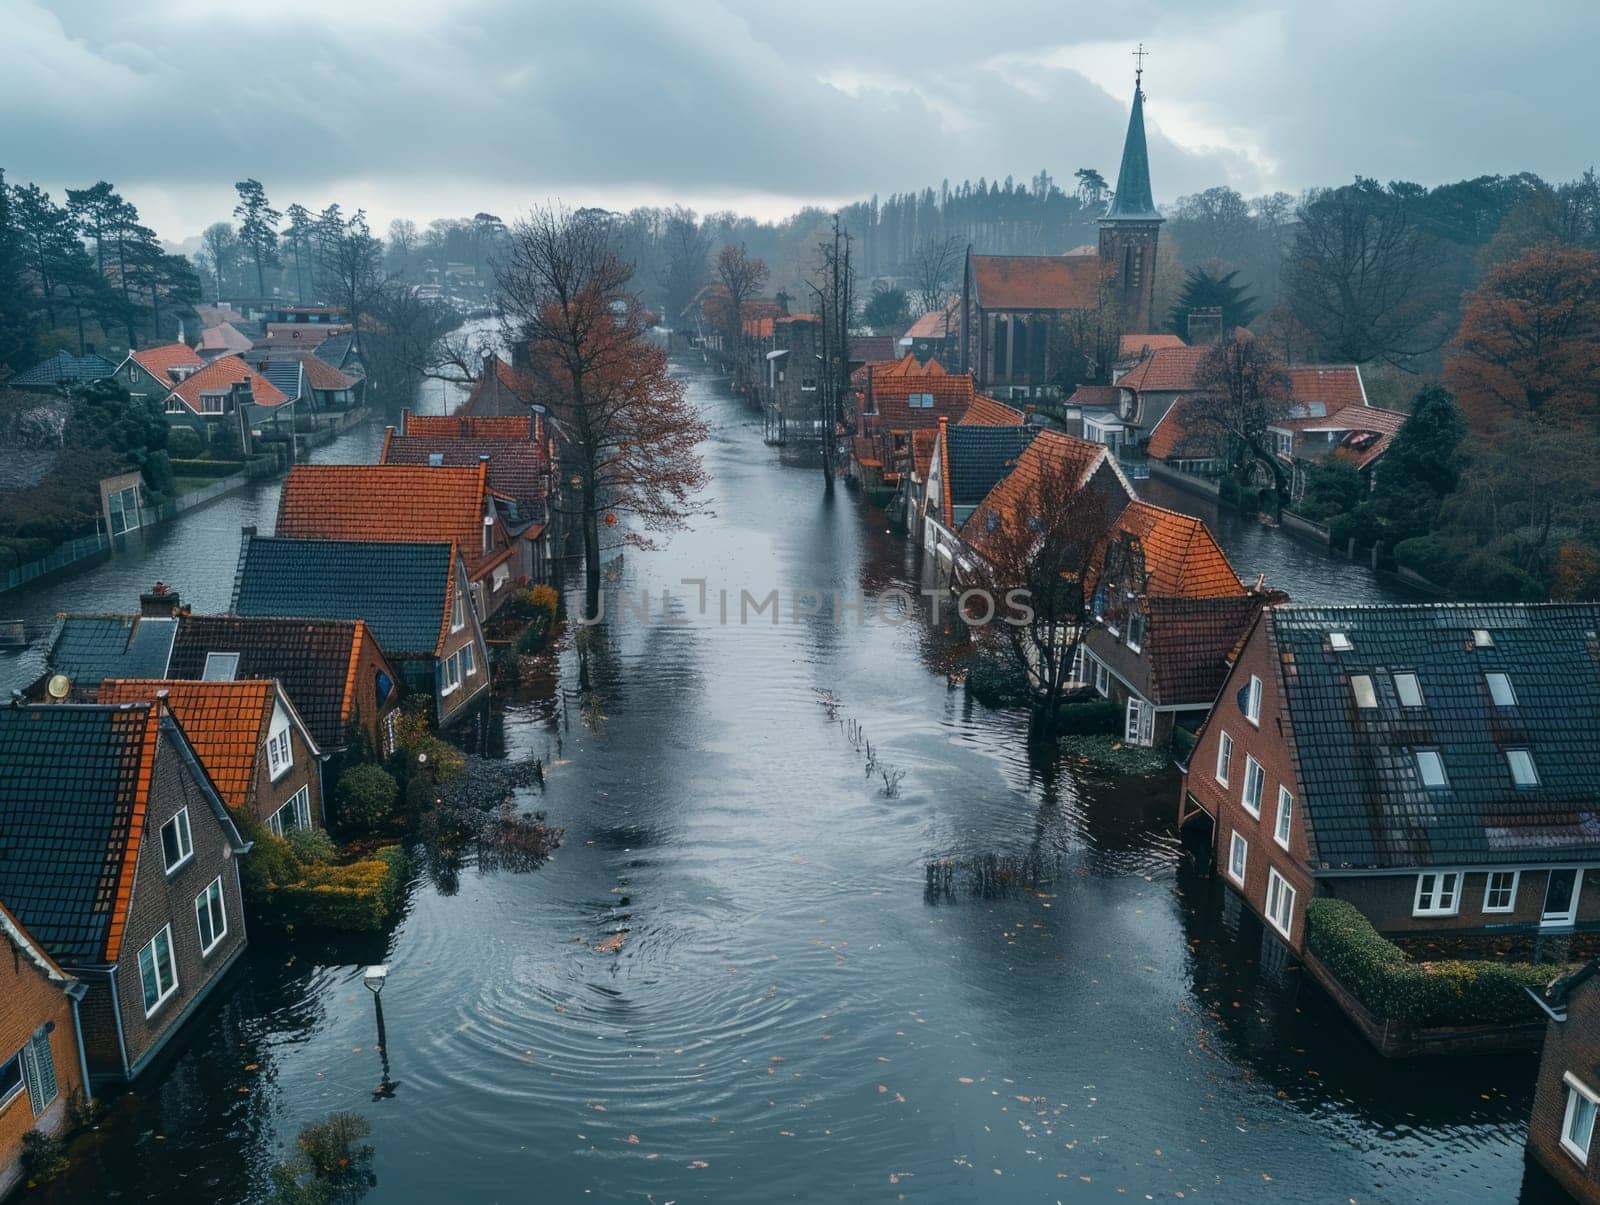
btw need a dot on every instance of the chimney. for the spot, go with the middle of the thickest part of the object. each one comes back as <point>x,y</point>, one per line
<point>783,302</point>
<point>1204,325</point>
<point>158,603</point>
<point>247,532</point>
<point>488,365</point>
<point>1029,418</point>
<point>405,419</point>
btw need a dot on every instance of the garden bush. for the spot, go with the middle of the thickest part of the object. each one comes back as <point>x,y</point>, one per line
<point>44,1156</point>
<point>1447,993</point>
<point>1491,578</point>
<point>1429,557</point>
<point>184,443</point>
<point>1097,717</point>
<point>207,468</point>
<point>367,796</point>
<point>996,680</point>
<point>355,898</point>
<point>312,845</point>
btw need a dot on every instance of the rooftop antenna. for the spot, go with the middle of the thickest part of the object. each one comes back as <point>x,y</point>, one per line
<point>1138,64</point>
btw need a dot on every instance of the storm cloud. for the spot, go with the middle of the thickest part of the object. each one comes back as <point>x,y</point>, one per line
<point>427,109</point>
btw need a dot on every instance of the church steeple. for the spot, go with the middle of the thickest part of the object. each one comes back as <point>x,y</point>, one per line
<point>1134,201</point>
<point>1131,228</point>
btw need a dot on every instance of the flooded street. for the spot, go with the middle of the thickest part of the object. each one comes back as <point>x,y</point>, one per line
<point>793,1014</point>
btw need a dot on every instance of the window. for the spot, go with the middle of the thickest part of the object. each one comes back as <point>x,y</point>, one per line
<point>10,1079</point>
<point>458,618</point>
<point>39,1066</point>
<point>124,508</point>
<point>488,534</point>
<point>1577,1128</point>
<point>280,754</point>
<point>1252,701</point>
<point>175,405</point>
<point>451,670</point>
<point>1255,779</point>
<point>1522,771</point>
<point>1280,903</point>
<point>1438,894</point>
<point>1102,678</point>
<point>220,667</point>
<point>1500,690</point>
<point>1431,767</point>
<point>1285,822</point>
<point>1500,892</point>
<point>1224,757</point>
<point>1366,697</point>
<point>1135,629</point>
<point>1481,638</point>
<point>156,973</point>
<point>1339,642</point>
<point>176,845</point>
<point>1409,689</point>
<point>1140,723</point>
<point>211,916</point>
<point>1077,664</point>
<point>390,736</point>
<point>1238,854</point>
<point>469,661</point>
<point>292,815</point>
<point>1285,442</point>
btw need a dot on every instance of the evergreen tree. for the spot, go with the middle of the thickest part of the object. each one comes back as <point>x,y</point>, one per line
<point>1205,290</point>
<point>258,229</point>
<point>1422,466</point>
<point>18,328</point>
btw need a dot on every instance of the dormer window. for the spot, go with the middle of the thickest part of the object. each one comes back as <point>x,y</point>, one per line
<point>1481,639</point>
<point>1501,690</point>
<point>1339,642</point>
<point>1431,767</point>
<point>1409,688</point>
<point>1522,769</point>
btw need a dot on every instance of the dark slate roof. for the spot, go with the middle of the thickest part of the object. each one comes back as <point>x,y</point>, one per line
<point>1363,794</point>
<point>310,657</point>
<point>335,349</point>
<point>63,369</point>
<point>980,457</point>
<point>401,590</point>
<point>1133,200</point>
<point>70,796</point>
<point>282,372</point>
<point>1188,641</point>
<point>91,648</point>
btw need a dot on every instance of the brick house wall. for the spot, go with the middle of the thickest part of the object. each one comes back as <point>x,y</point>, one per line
<point>457,701</point>
<point>266,796</point>
<point>29,1000</point>
<point>159,900</point>
<point>1269,746</point>
<point>1572,1046</point>
<point>1387,901</point>
<point>365,709</point>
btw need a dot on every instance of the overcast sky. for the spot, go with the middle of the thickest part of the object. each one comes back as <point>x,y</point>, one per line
<point>427,108</point>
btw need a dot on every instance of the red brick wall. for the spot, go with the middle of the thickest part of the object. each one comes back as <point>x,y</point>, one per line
<point>1387,901</point>
<point>29,1000</point>
<point>471,688</point>
<point>1268,744</point>
<point>158,900</point>
<point>268,796</point>
<point>367,710</point>
<point>1572,1045</point>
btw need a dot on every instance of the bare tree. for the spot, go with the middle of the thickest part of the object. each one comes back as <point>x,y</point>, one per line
<point>834,290</point>
<point>687,247</point>
<point>629,437</point>
<point>1249,391</point>
<point>742,276</point>
<point>219,246</point>
<point>1362,275</point>
<point>935,268</point>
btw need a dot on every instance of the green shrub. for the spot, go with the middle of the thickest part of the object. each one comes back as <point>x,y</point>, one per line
<point>367,796</point>
<point>535,635</point>
<point>207,468</point>
<point>1359,524</point>
<point>184,443</point>
<point>158,472</point>
<point>356,898</point>
<point>1429,557</point>
<point>1183,743</point>
<point>312,845</point>
<point>1109,753</point>
<point>44,1156</point>
<point>1097,717</point>
<point>996,680</point>
<point>1379,974</point>
<point>333,1163</point>
<point>1493,578</point>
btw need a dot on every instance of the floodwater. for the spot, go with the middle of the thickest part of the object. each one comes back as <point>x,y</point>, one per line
<point>793,1014</point>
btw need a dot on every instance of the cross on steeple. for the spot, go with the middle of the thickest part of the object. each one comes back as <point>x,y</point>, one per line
<point>1138,63</point>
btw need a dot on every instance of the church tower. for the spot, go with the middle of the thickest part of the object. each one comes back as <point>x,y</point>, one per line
<point>1129,230</point>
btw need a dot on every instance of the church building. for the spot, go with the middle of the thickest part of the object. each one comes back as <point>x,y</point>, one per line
<point>1009,303</point>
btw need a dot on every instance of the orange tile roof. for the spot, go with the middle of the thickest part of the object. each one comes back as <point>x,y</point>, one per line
<point>130,851</point>
<point>225,722</point>
<point>1138,345</point>
<point>1334,385</point>
<point>469,426</point>
<point>1035,282</point>
<point>987,412</point>
<point>922,445</point>
<point>221,373</point>
<point>225,337</point>
<point>1166,369</point>
<point>1051,454</point>
<point>890,395</point>
<point>386,502</point>
<point>1370,428</point>
<point>160,361</point>
<point>1181,433</point>
<point>1181,557</point>
<point>1109,396</point>
<point>322,375</point>
<point>866,450</point>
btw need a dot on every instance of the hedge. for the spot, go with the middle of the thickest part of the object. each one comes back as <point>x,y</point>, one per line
<point>207,468</point>
<point>1094,718</point>
<point>357,898</point>
<point>1447,993</point>
<point>996,680</point>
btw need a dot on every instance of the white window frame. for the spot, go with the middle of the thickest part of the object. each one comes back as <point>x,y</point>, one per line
<point>1489,886</point>
<point>220,659</point>
<point>22,1079</point>
<point>1415,689</point>
<point>1437,760</point>
<point>1518,760</point>
<point>1494,678</point>
<point>458,613</point>
<point>1135,636</point>
<point>391,736</point>
<point>1365,692</point>
<point>1102,678</point>
<point>1576,1088</point>
<point>155,966</point>
<point>1138,722</point>
<point>1252,702</point>
<point>1283,826</point>
<point>298,809</point>
<point>1224,757</point>
<point>280,749</point>
<point>1435,882</point>
<point>1253,773</point>
<point>209,905</point>
<point>179,822</point>
<point>1482,638</point>
<point>450,668</point>
<point>1238,849</point>
<point>36,1056</point>
<point>1280,899</point>
<point>469,661</point>
<point>1340,642</point>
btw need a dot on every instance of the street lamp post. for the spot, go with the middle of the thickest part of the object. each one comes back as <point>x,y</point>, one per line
<point>374,978</point>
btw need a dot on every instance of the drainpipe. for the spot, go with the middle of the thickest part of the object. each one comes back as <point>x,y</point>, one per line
<point>76,993</point>
<point>116,1009</point>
